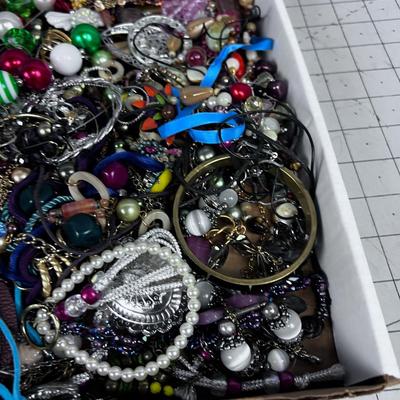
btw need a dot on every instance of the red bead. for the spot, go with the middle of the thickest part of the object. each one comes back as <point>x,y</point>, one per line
<point>12,60</point>
<point>89,295</point>
<point>62,6</point>
<point>36,75</point>
<point>115,175</point>
<point>240,91</point>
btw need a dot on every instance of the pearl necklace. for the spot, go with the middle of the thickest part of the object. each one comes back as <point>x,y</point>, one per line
<point>124,255</point>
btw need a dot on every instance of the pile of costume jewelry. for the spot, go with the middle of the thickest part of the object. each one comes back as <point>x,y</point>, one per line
<point>157,224</point>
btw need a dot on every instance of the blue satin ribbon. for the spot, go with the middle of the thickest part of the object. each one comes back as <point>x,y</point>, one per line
<point>185,115</point>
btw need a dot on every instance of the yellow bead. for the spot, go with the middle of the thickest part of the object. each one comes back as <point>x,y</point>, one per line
<point>155,387</point>
<point>162,182</point>
<point>168,390</point>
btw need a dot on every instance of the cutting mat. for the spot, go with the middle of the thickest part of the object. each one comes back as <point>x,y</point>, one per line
<point>352,50</point>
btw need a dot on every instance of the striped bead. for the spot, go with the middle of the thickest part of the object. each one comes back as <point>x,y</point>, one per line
<point>8,88</point>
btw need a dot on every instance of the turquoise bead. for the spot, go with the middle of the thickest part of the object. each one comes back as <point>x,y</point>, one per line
<point>26,202</point>
<point>81,231</point>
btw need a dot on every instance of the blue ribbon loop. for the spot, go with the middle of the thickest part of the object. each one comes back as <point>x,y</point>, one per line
<point>187,120</point>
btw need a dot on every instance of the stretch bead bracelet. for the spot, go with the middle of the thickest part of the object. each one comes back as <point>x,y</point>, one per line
<point>90,296</point>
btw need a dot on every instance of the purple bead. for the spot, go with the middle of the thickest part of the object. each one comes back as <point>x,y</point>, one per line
<point>196,57</point>
<point>234,387</point>
<point>89,295</point>
<point>265,66</point>
<point>115,175</point>
<point>244,300</point>
<point>278,89</point>
<point>286,379</point>
<point>61,313</point>
<point>210,316</point>
<point>183,10</point>
<point>150,149</point>
<point>206,355</point>
<point>80,135</point>
<point>200,247</point>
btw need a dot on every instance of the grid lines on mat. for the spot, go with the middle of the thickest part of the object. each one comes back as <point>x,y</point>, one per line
<point>352,50</point>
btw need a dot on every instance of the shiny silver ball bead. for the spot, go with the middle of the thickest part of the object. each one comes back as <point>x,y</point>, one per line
<point>205,153</point>
<point>226,328</point>
<point>270,312</point>
<point>66,170</point>
<point>234,212</point>
<point>44,129</point>
<point>114,373</point>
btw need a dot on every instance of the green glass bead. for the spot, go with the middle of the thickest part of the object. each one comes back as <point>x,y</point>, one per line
<point>20,38</point>
<point>81,231</point>
<point>8,88</point>
<point>100,57</point>
<point>23,8</point>
<point>86,37</point>
<point>128,210</point>
<point>26,201</point>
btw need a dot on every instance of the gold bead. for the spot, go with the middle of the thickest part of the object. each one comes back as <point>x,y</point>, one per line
<point>295,166</point>
<point>19,174</point>
<point>174,43</point>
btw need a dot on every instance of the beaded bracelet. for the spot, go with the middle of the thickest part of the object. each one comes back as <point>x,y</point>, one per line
<point>90,297</point>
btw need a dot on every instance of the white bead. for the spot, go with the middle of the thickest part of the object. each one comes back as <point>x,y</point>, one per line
<point>232,63</point>
<point>77,277</point>
<point>194,305</point>
<point>49,337</point>
<point>28,354</point>
<point>192,317</point>
<point>103,368</point>
<point>163,361</point>
<point>278,360</point>
<point>165,252</point>
<point>8,20</point>
<point>238,358</point>
<point>86,268</point>
<point>196,74</point>
<point>130,247</point>
<point>75,306</point>
<point>186,329</point>
<point>172,352</point>
<point>286,210</point>
<point>193,292</point>
<point>292,328</point>
<point>107,256</point>
<point>224,99</point>
<point>91,364</point>
<point>229,197</point>
<point>152,368</point>
<point>154,248</point>
<point>59,348</point>
<point>81,357</point>
<point>114,373</point>
<point>197,223</point>
<point>71,351</point>
<point>175,260</point>
<point>140,373</point>
<point>58,294</point>
<point>270,124</point>
<point>226,328</point>
<point>188,280</point>
<point>44,5</point>
<point>67,285</point>
<point>142,246</point>
<point>180,342</point>
<point>119,251</point>
<point>127,375</point>
<point>43,327</point>
<point>42,315</point>
<point>183,268</point>
<point>211,102</point>
<point>66,59</point>
<point>97,262</point>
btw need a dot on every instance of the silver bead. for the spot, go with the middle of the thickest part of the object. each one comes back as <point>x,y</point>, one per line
<point>180,342</point>
<point>103,368</point>
<point>229,197</point>
<point>163,361</point>
<point>270,311</point>
<point>152,368</point>
<point>172,352</point>
<point>66,170</point>
<point>234,212</point>
<point>44,129</point>
<point>127,375</point>
<point>212,102</point>
<point>226,328</point>
<point>206,290</point>
<point>205,153</point>
<point>186,329</point>
<point>114,373</point>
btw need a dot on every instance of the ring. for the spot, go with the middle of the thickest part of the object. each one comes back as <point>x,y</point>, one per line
<point>89,178</point>
<point>116,76</point>
<point>154,216</point>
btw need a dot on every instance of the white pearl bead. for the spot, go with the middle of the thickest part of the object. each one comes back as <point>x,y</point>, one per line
<point>44,5</point>
<point>183,268</point>
<point>172,352</point>
<point>165,252</point>
<point>224,99</point>
<point>71,351</point>
<point>86,268</point>
<point>42,315</point>
<point>103,368</point>
<point>114,373</point>
<point>270,124</point>
<point>43,327</point>
<point>49,337</point>
<point>193,292</point>
<point>75,306</point>
<point>67,285</point>
<point>81,357</point>
<point>238,358</point>
<point>229,197</point>
<point>188,280</point>
<point>175,260</point>
<point>142,247</point>
<point>119,251</point>
<point>127,375</point>
<point>286,210</point>
<point>180,342</point>
<point>97,262</point>
<point>292,328</point>
<point>107,256</point>
<point>130,247</point>
<point>91,364</point>
<point>226,328</point>
<point>77,277</point>
<point>211,102</point>
<point>163,361</point>
<point>194,305</point>
<point>192,317</point>
<point>58,294</point>
<point>66,59</point>
<point>186,329</point>
<point>278,360</point>
<point>140,373</point>
<point>154,248</point>
<point>152,368</point>
<point>197,223</point>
